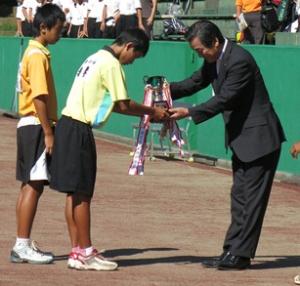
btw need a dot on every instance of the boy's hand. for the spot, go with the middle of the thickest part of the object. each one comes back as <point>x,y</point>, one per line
<point>159,115</point>
<point>178,113</point>
<point>102,26</point>
<point>295,149</point>
<point>49,140</point>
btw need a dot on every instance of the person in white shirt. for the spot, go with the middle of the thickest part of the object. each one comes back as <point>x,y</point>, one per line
<point>109,17</point>
<point>29,9</point>
<point>65,5</point>
<point>27,23</point>
<point>78,14</point>
<point>19,18</point>
<point>58,3</point>
<point>130,15</point>
<point>94,18</point>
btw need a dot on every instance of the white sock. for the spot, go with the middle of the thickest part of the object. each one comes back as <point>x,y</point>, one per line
<point>88,251</point>
<point>22,242</point>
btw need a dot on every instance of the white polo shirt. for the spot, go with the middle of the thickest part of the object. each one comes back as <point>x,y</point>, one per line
<point>95,8</point>
<point>128,7</point>
<point>77,13</point>
<point>19,13</point>
<point>34,5</point>
<point>111,10</point>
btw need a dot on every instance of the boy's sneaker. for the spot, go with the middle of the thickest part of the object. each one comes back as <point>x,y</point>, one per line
<point>30,254</point>
<point>73,259</point>
<point>95,261</point>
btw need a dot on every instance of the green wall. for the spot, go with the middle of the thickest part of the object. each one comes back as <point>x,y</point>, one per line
<point>175,60</point>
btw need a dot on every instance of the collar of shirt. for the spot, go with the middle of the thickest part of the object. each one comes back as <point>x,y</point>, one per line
<point>110,50</point>
<point>222,54</point>
<point>36,44</point>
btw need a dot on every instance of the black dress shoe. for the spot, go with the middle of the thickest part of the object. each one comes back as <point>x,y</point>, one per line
<point>214,262</point>
<point>232,262</point>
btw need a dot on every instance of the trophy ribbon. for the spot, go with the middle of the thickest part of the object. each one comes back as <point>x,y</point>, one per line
<point>165,101</point>
<point>137,164</point>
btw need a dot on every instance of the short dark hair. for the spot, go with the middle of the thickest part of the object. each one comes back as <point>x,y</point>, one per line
<point>206,32</point>
<point>48,15</point>
<point>137,37</point>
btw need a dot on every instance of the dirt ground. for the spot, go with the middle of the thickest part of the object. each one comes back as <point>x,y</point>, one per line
<point>158,227</point>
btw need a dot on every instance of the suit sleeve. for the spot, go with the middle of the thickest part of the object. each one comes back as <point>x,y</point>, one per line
<point>199,80</point>
<point>239,77</point>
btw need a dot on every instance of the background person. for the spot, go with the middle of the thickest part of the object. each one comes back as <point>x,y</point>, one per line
<point>148,14</point>
<point>130,15</point>
<point>251,9</point>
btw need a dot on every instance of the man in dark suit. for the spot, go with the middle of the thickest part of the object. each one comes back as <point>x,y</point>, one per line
<point>253,133</point>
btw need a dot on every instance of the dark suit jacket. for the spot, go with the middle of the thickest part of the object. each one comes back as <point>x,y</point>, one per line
<point>252,126</point>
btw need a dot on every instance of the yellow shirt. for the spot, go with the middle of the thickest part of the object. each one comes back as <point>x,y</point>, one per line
<point>36,79</point>
<point>98,84</point>
<point>249,5</point>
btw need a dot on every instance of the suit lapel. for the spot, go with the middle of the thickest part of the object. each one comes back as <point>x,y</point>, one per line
<point>222,69</point>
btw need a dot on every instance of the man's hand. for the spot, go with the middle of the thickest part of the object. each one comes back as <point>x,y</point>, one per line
<point>159,115</point>
<point>178,113</point>
<point>295,149</point>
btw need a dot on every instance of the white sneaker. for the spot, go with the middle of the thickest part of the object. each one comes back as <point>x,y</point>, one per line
<point>95,261</point>
<point>30,254</point>
<point>73,260</point>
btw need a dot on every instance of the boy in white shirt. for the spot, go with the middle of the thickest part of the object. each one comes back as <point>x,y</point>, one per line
<point>78,13</point>
<point>94,18</point>
<point>109,18</point>
<point>130,15</point>
<point>19,18</point>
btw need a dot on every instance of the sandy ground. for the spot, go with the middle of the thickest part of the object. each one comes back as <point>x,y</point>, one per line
<point>159,227</point>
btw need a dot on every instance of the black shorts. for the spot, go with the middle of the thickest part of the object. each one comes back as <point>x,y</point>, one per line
<point>126,22</point>
<point>32,160</point>
<point>74,159</point>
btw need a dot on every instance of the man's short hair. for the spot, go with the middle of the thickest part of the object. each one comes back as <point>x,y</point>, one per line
<point>206,32</point>
<point>137,37</point>
<point>48,15</point>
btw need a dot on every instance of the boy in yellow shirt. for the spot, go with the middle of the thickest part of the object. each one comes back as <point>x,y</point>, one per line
<point>38,110</point>
<point>98,89</point>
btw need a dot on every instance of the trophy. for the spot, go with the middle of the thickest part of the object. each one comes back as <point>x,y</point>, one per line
<point>157,94</point>
<point>157,85</point>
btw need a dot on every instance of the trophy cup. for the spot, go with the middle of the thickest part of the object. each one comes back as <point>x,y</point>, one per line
<point>157,86</point>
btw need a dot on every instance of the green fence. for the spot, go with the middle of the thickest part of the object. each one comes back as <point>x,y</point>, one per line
<point>175,60</point>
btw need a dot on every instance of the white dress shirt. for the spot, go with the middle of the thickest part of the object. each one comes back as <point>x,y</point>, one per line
<point>128,7</point>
